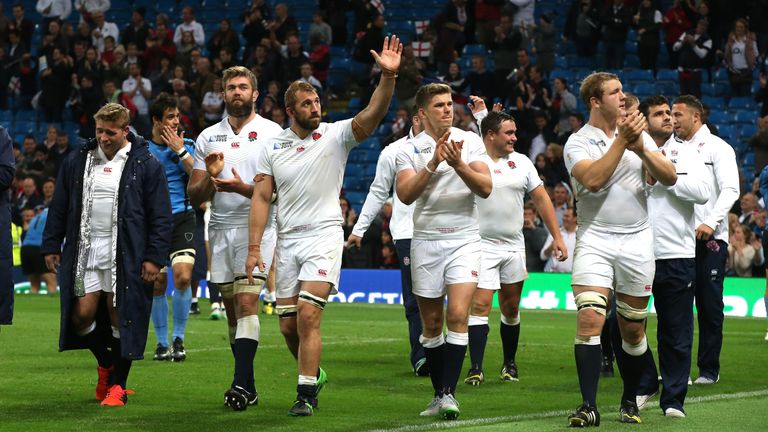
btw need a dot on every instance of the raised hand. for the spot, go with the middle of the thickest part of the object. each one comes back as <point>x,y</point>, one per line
<point>214,163</point>
<point>233,184</point>
<point>389,59</point>
<point>452,152</point>
<point>631,127</point>
<point>437,157</point>
<point>172,139</point>
<point>476,104</point>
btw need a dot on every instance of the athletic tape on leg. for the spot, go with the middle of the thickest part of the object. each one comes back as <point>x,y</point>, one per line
<point>630,313</point>
<point>312,299</point>
<point>455,338</point>
<point>286,311</point>
<point>591,300</point>
<point>635,350</point>
<point>241,285</point>
<point>226,290</point>
<point>511,322</point>
<point>183,256</point>
<point>587,340</point>
<point>248,327</point>
<point>432,342</point>
<point>475,320</point>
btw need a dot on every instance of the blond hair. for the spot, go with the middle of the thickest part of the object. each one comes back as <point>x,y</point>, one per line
<point>238,71</point>
<point>427,92</point>
<point>592,86</point>
<point>295,87</point>
<point>115,113</point>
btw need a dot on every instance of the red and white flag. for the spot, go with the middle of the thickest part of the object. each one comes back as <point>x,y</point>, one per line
<point>421,49</point>
<point>421,26</point>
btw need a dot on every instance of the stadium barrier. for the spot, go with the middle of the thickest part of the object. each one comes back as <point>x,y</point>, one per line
<point>743,297</point>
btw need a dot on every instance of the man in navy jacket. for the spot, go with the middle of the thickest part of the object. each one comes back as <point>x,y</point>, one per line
<point>7,171</point>
<point>112,213</point>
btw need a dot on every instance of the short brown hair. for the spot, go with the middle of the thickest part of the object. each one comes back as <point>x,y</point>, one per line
<point>427,92</point>
<point>113,112</point>
<point>592,86</point>
<point>692,102</point>
<point>295,87</point>
<point>238,71</point>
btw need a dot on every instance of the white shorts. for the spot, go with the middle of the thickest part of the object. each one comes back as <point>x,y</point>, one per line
<point>97,280</point>
<point>500,264</point>
<point>437,263</point>
<point>624,262</point>
<point>311,259</point>
<point>229,250</point>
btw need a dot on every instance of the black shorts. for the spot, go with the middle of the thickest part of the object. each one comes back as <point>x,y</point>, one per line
<point>31,260</point>
<point>183,233</point>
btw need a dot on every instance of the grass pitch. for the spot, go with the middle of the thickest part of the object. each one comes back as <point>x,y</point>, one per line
<point>370,382</point>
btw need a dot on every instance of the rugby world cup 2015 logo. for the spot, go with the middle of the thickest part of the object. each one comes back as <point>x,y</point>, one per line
<point>252,136</point>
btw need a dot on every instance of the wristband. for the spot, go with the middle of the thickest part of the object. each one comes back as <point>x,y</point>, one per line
<point>388,72</point>
<point>182,153</point>
<point>426,167</point>
<point>186,156</point>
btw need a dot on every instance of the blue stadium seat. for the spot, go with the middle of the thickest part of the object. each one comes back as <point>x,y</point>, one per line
<point>640,75</point>
<point>667,75</point>
<point>719,117</point>
<point>354,170</point>
<point>729,133</point>
<point>749,161</point>
<point>745,116</point>
<point>370,143</point>
<point>748,130</point>
<point>475,49</point>
<point>644,90</point>
<point>354,104</point>
<point>713,102</point>
<point>744,102</point>
<point>335,116</point>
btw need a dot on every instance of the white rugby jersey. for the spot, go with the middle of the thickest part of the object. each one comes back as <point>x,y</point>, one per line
<point>401,224</point>
<point>720,161</point>
<point>308,174</point>
<point>621,205</point>
<point>671,208</point>
<point>446,209</point>
<point>241,151</point>
<point>501,214</point>
<point>106,179</point>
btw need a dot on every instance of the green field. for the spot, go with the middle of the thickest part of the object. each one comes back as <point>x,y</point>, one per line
<point>371,386</point>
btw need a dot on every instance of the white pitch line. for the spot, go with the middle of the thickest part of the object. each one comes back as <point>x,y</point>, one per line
<point>348,342</point>
<point>558,413</point>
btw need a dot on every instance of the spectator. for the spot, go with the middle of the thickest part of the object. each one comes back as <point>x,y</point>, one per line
<point>53,39</point>
<point>759,143</point>
<point>741,252</point>
<point>283,25</point>
<point>348,216</point>
<point>481,81</point>
<point>139,90</point>
<point>32,263</point>
<point>53,10</point>
<point>749,207</point>
<point>568,233</point>
<point>544,44</point>
<point>5,27</point>
<point>555,171</point>
<point>761,96</point>
<point>320,57</point>
<point>50,137</point>
<point>616,19</point>
<point>693,47</point>
<point>583,27</point>
<point>292,59</point>
<point>523,12</point>
<point>410,78</point>
<point>561,200</point>
<point>320,29</point>
<point>213,104</point>
<point>561,106</point>
<point>138,30</point>
<point>266,61</point>
<point>158,45</point>
<point>455,28</point>
<point>28,198</point>
<point>83,35</point>
<point>457,83</point>
<point>27,158</point>
<point>55,82</point>
<point>26,86</point>
<point>278,116</point>
<point>184,49</point>
<point>101,29</point>
<point>575,122</point>
<point>91,65</point>
<point>254,32</point>
<point>535,236</point>
<point>91,99</point>
<point>372,39</point>
<point>224,38</point>
<point>505,43</point>
<point>21,24</point>
<point>223,61</point>
<point>189,25</point>
<point>306,76</point>
<point>203,80</point>
<point>117,69</point>
<point>49,187</point>
<point>87,8</point>
<point>58,153</point>
<point>647,21</point>
<point>741,57</point>
<point>337,19</point>
<point>388,257</point>
<point>161,77</point>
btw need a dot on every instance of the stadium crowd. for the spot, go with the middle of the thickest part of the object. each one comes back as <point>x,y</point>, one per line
<point>83,61</point>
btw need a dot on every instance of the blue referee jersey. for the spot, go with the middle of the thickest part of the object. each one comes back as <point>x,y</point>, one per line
<point>174,171</point>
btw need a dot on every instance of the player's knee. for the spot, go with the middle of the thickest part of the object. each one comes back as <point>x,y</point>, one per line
<point>481,307</point>
<point>509,309</point>
<point>158,289</point>
<point>288,327</point>
<point>183,281</point>
<point>456,320</point>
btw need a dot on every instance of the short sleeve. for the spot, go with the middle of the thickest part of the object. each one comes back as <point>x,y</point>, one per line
<point>264,160</point>
<point>403,158</point>
<point>190,146</point>
<point>533,176</point>
<point>575,151</point>
<point>476,150</point>
<point>344,134</point>
<point>199,153</point>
